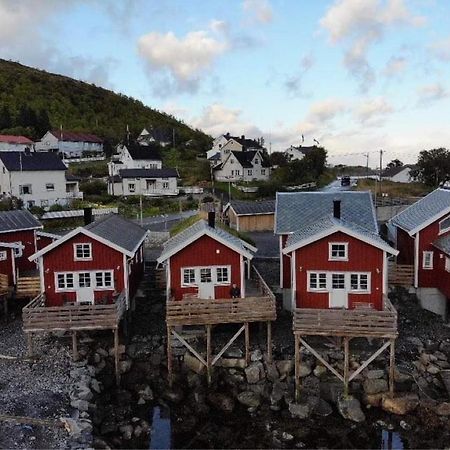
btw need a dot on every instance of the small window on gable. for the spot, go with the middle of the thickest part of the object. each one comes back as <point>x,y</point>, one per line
<point>444,225</point>
<point>3,255</point>
<point>83,252</point>
<point>338,251</point>
<point>18,251</point>
<point>427,261</point>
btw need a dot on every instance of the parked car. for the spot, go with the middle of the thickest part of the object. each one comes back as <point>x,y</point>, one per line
<point>345,181</point>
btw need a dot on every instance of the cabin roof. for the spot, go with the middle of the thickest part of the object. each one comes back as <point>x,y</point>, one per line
<point>443,244</point>
<point>71,136</point>
<point>243,208</point>
<point>31,161</point>
<point>17,220</point>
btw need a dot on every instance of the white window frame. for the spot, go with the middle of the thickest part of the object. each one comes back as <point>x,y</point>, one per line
<point>92,277</point>
<point>224,282</point>
<point>82,258</point>
<point>49,186</point>
<point>88,278</point>
<point>183,283</point>
<point>21,186</point>
<point>442,231</point>
<point>18,251</point>
<point>447,264</point>
<point>359,290</point>
<point>3,255</point>
<point>345,281</point>
<point>202,269</point>
<point>263,171</point>
<point>65,288</point>
<point>132,187</point>
<point>214,275</point>
<point>318,288</point>
<point>427,265</point>
<point>337,258</point>
<point>103,274</point>
<point>250,172</point>
<point>165,185</point>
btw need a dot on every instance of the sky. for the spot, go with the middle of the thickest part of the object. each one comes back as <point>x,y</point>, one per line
<point>355,75</point>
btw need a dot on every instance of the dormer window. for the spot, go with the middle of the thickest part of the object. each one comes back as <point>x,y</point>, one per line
<point>444,225</point>
<point>256,161</point>
<point>338,251</point>
<point>83,252</point>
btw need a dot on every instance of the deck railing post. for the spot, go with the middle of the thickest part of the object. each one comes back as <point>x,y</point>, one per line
<point>247,344</point>
<point>269,341</point>
<point>116,355</point>
<point>346,364</point>
<point>391,367</point>
<point>74,346</point>
<point>208,353</point>
<point>297,367</point>
<point>169,356</point>
<point>30,344</point>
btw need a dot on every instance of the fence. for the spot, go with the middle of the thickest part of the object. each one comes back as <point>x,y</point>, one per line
<point>400,274</point>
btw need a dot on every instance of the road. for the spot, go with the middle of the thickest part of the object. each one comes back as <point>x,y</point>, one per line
<point>165,222</point>
<point>335,186</point>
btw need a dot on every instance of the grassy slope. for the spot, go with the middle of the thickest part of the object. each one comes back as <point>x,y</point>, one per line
<point>394,189</point>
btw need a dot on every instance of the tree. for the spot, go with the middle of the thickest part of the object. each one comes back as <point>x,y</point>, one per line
<point>42,123</point>
<point>433,166</point>
<point>394,163</point>
<point>279,159</point>
<point>5,118</point>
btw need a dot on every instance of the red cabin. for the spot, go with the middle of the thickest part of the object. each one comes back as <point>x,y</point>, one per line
<point>93,263</point>
<point>204,261</point>
<point>332,254</point>
<point>422,235</point>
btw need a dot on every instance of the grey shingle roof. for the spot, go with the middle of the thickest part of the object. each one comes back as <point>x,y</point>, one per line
<point>327,223</point>
<point>17,220</point>
<point>420,212</point>
<point>16,161</point>
<point>198,227</point>
<point>118,230</point>
<point>147,152</point>
<point>252,207</point>
<point>443,243</point>
<point>295,210</point>
<point>149,173</point>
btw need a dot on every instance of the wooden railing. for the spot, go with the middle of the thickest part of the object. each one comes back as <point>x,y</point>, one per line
<point>262,285</point>
<point>346,322</point>
<point>38,317</point>
<point>3,283</point>
<point>400,274</point>
<point>27,287</point>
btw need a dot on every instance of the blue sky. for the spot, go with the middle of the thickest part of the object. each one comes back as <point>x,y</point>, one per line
<point>357,75</point>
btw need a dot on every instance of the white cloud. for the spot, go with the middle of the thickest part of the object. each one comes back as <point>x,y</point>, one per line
<point>260,10</point>
<point>293,83</point>
<point>395,66</point>
<point>361,23</point>
<point>372,111</point>
<point>441,49</point>
<point>431,93</point>
<point>326,110</point>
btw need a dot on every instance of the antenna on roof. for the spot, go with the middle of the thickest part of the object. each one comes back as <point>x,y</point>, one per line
<point>316,141</point>
<point>128,135</point>
<point>303,138</point>
<point>60,132</point>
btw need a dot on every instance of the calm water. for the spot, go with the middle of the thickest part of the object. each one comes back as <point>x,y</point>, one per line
<point>390,440</point>
<point>161,434</point>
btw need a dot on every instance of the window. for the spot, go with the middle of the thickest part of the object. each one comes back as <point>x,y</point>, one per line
<point>231,161</point>
<point>165,185</point>
<point>338,251</point>
<point>263,171</point>
<point>256,161</point>
<point>3,255</point>
<point>131,187</point>
<point>103,280</point>
<point>25,189</point>
<point>223,275</point>
<point>427,262</point>
<point>317,281</point>
<point>250,172</point>
<point>50,187</point>
<point>84,279</point>
<point>44,203</point>
<point>359,282</point>
<point>64,281</point>
<point>447,264</point>
<point>444,225</point>
<point>205,275</point>
<point>188,276</point>
<point>18,251</point>
<point>30,203</point>
<point>83,252</point>
<point>338,281</point>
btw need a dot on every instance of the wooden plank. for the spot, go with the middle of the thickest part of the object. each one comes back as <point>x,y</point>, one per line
<point>208,353</point>
<point>169,356</point>
<point>269,341</point>
<point>227,345</point>
<point>368,361</point>
<point>346,368</point>
<point>189,347</point>
<point>391,366</point>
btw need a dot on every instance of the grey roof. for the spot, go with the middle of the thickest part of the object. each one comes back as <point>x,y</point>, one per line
<point>18,161</point>
<point>147,152</point>
<point>443,243</point>
<point>253,207</point>
<point>118,230</point>
<point>420,212</point>
<point>149,173</point>
<point>181,238</point>
<point>296,210</point>
<point>327,223</point>
<point>17,220</point>
<point>392,171</point>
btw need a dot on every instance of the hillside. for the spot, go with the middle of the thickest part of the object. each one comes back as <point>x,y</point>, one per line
<point>31,100</point>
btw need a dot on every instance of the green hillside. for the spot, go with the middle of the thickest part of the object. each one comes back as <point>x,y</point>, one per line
<point>31,100</point>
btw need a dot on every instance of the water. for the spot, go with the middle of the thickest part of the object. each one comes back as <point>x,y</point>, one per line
<point>160,436</point>
<point>390,440</point>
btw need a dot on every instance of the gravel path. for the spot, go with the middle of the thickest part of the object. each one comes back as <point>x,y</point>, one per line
<point>34,388</point>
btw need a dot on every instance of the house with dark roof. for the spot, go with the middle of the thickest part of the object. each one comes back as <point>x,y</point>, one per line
<point>251,215</point>
<point>133,155</point>
<point>322,237</point>
<point>422,235</point>
<point>92,264</point>
<point>399,174</point>
<point>70,144</point>
<point>38,179</point>
<point>296,153</point>
<point>161,136</point>
<point>225,143</point>
<point>248,165</point>
<point>11,143</point>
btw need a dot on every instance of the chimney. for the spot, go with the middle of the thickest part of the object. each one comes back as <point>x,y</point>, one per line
<point>87,215</point>
<point>227,135</point>
<point>243,137</point>
<point>212,219</point>
<point>337,209</point>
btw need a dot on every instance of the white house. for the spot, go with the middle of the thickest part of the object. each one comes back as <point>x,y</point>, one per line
<point>297,153</point>
<point>401,174</point>
<point>135,156</point>
<point>163,137</point>
<point>10,143</point>
<point>248,165</point>
<point>225,143</point>
<point>147,182</point>
<point>69,144</point>
<point>38,179</point>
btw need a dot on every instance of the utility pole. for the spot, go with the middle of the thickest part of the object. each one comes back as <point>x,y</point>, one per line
<point>381,169</point>
<point>367,165</point>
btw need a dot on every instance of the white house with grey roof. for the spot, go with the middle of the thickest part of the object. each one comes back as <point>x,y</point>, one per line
<point>251,165</point>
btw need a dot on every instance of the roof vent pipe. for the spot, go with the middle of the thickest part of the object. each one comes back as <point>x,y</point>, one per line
<point>87,213</point>
<point>337,209</point>
<point>212,219</point>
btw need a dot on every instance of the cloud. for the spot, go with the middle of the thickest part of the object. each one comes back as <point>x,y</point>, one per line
<point>293,83</point>
<point>395,66</point>
<point>260,10</point>
<point>360,24</point>
<point>431,93</point>
<point>372,111</point>
<point>326,110</point>
<point>441,49</point>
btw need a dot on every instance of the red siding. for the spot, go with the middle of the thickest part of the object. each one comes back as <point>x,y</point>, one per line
<point>6,266</point>
<point>61,259</point>
<point>286,266</point>
<point>362,257</point>
<point>405,245</point>
<point>137,270</point>
<point>43,241</point>
<point>27,239</point>
<point>203,252</point>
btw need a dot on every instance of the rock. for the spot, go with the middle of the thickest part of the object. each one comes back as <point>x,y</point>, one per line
<point>249,399</point>
<point>127,431</point>
<point>81,405</point>
<point>82,363</point>
<point>431,346</point>
<point>221,401</point>
<point>174,395</point>
<point>320,371</point>
<point>373,399</point>
<point>434,370</point>
<point>121,350</point>
<point>192,363</point>
<point>305,370</point>
<point>146,394</point>
<point>415,341</point>
<point>425,358</point>
<point>285,367</point>
<point>400,405</point>
<point>300,410</point>
<point>254,372</point>
<point>141,401</point>
<point>108,426</point>
<point>234,353</point>
<point>138,431</point>
<point>96,386</point>
<point>405,425</point>
<point>84,394</point>
<point>278,391</point>
<point>272,372</point>
<point>322,408</point>
<point>232,362</point>
<point>331,390</point>
<point>256,355</point>
<point>375,386</point>
<point>125,366</point>
<point>444,347</point>
<point>350,408</point>
<point>102,352</point>
<point>374,374</point>
<point>443,409</point>
<point>286,437</point>
<point>71,426</point>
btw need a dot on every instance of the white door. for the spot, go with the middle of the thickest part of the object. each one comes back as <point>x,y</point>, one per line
<point>85,295</point>
<point>338,292</point>
<point>206,285</point>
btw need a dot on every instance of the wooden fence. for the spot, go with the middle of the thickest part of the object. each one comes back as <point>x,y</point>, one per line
<point>401,275</point>
<point>3,283</point>
<point>38,317</point>
<point>27,287</point>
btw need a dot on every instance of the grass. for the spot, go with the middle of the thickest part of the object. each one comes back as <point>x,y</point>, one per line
<point>393,189</point>
<point>96,169</point>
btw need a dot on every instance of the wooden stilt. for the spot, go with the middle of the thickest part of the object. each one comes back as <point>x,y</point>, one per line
<point>74,346</point>
<point>297,367</point>
<point>5,307</point>
<point>169,356</point>
<point>391,367</point>
<point>247,344</point>
<point>269,341</point>
<point>208,353</point>
<point>346,366</point>
<point>30,345</point>
<point>116,355</point>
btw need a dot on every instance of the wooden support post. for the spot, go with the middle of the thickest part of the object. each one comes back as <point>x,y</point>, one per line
<point>297,367</point>
<point>116,355</point>
<point>269,341</point>
<point>346,364</point>
<point>392,367</point>
<point>208,353</point>
<point>5,308</point>
<point>30,352</point>
<point>74,346</point>
<point>169,356</point>
<point>247,344</point>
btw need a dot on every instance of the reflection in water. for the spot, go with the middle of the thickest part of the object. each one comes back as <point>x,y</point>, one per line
<point>390,440</point>
<point>160,436</point>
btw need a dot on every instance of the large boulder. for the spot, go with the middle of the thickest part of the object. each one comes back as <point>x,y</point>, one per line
<point>221,401</point>
<point>400,405</point>
<point>350,408</point>
<point>374,374</point>
<point>254,372</point>
<point>194,364</point>
<point>249,399</point>
<point>300,410</point>
<point>375,385</point>
<point>285,367</point>
<point>443,409</point>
